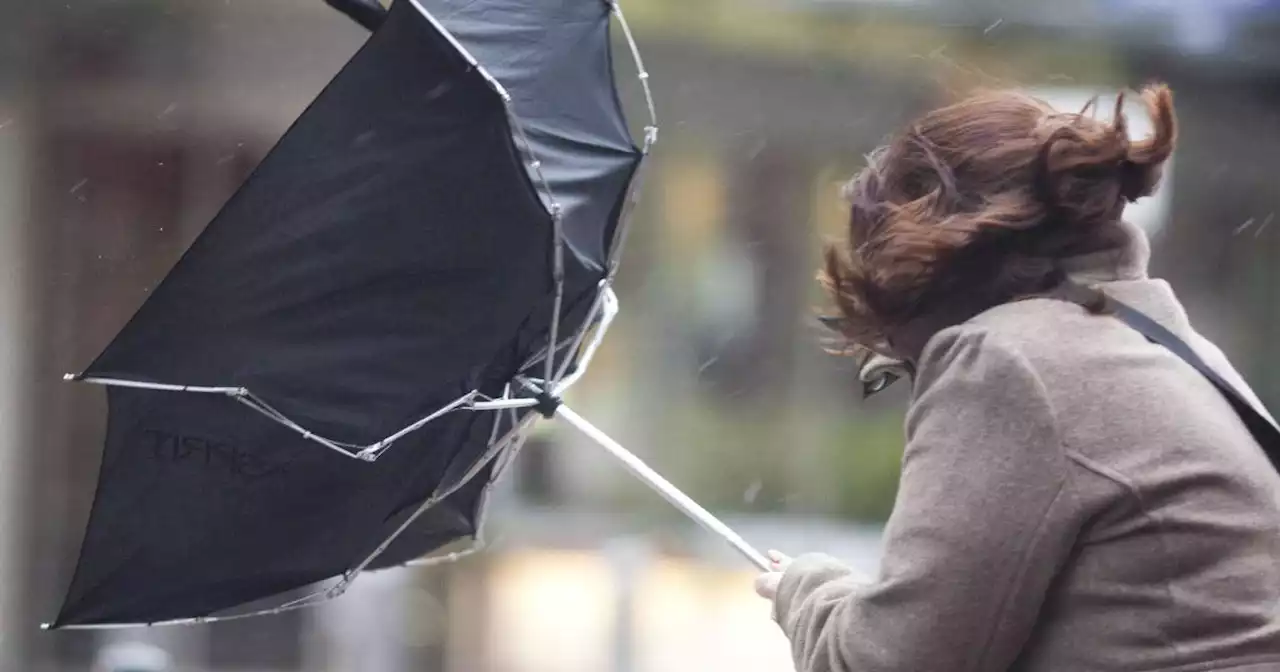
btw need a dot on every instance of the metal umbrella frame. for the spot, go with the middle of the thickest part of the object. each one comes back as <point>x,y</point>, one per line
<point>537,391</point>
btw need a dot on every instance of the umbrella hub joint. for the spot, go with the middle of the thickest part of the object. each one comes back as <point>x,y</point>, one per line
<point>548,404</point>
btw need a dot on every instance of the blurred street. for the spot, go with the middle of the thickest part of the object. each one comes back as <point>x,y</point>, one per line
<point>126,124</point>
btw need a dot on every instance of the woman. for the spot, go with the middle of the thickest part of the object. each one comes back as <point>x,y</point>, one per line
<point>1073,496</point>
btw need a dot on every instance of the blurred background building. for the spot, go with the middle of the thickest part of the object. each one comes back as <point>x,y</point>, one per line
<point>125,124</point>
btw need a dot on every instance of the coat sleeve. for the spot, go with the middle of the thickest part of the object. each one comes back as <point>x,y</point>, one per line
<point>982,523</point>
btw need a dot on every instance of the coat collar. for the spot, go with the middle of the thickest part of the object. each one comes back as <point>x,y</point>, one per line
<point>1125,257</point>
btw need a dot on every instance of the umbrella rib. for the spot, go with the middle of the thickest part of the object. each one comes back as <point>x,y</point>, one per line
<point>257,404</point>
<point>494,449</point>
<point>642,73</point>
<point>541,355</point>
<point>606,300</point>
<point>448,558</point>
<point>597,304</point>
<point>309,600</point>
<point>453,41</point>
<point>366,453</point>
<point>164,387</point>
<point>374,451</point>
<point>650,139</point>
<point>502,460</point>
<point>607,308</point>
<point>557,232</point>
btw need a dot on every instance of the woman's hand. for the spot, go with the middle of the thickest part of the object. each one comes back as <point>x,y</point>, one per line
<point>767,583</point>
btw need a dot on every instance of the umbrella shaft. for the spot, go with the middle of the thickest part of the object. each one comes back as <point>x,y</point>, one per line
<point>663,487</point>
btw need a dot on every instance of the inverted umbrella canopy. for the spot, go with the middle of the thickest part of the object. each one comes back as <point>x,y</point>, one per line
<point>331,377</point>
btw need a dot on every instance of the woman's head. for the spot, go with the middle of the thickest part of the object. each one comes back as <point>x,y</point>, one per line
<point>978,201</point>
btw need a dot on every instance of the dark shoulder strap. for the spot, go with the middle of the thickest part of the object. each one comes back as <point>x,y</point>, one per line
<point>1264,431</point>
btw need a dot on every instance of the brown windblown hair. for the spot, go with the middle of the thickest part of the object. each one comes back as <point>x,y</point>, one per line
<point>979,200</point>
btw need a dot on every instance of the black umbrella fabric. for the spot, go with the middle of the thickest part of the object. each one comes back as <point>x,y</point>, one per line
<point>330,377</point>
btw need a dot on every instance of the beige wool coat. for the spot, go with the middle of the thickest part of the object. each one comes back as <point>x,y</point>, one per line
<point>1073,499</point>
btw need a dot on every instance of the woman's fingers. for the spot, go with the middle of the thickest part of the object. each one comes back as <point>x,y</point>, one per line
<point>767,584</point>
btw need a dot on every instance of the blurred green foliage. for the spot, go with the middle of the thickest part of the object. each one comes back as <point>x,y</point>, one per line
<point>740,459</point>
<point>865,457</point>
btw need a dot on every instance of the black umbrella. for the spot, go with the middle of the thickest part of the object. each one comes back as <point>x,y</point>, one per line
<point>334,373</point>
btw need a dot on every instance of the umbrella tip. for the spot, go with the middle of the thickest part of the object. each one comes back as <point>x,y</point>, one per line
<point>69,376</point>
<point>46,626</point>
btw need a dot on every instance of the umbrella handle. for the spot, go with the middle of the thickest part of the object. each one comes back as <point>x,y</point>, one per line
<point>664,487</point>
